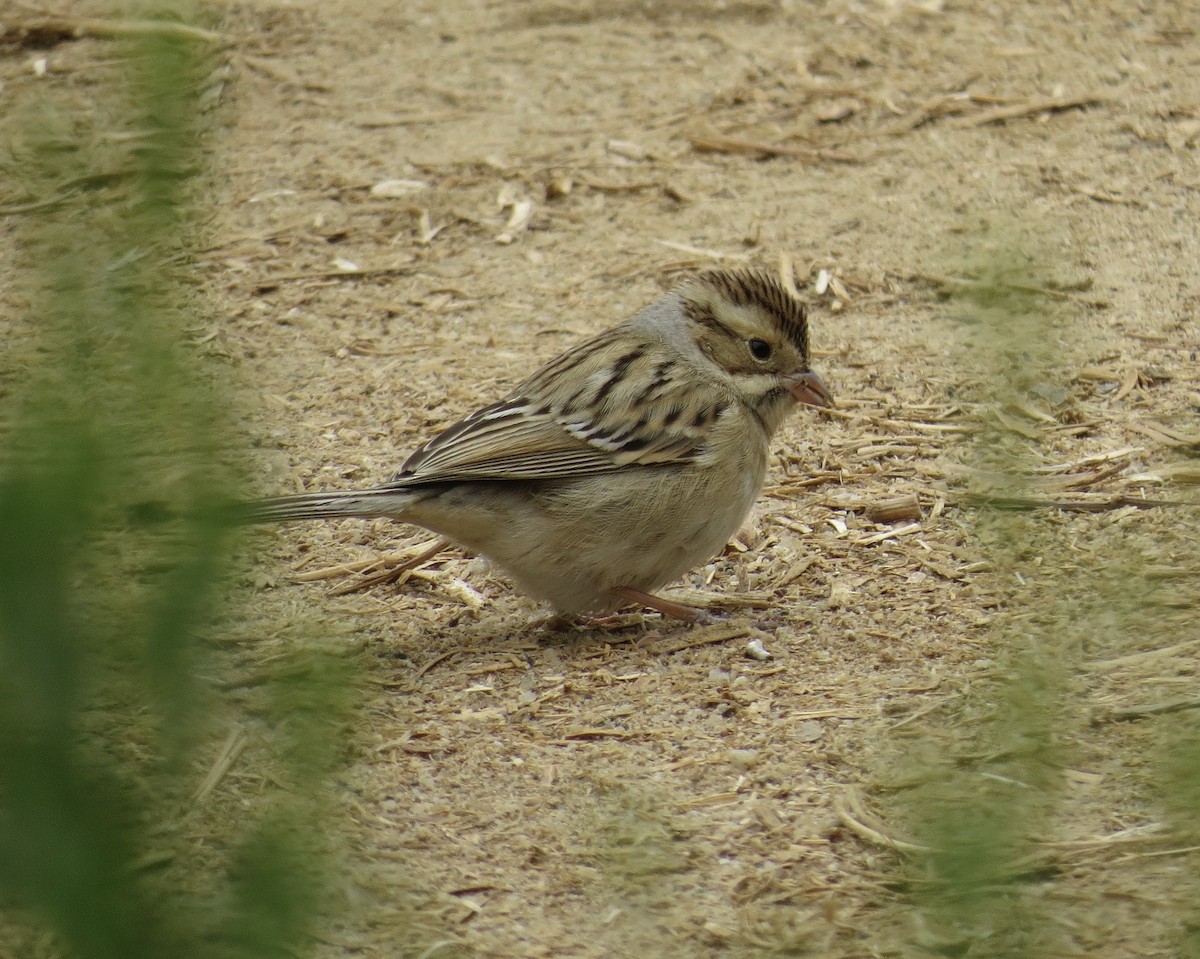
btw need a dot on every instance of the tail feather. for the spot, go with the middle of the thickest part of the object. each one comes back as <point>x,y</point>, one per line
<point>335,505</point>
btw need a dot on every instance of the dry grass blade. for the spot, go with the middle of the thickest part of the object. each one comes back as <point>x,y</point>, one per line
<point>602,186</point>
<point>389,561</point>
<point>1186,472</point>
<point>907,530</point>
<point>1168,435</point>
<point>1049,480</point>
<point>35,205</point>
<point>391,574</point>
<point>854,815</point>
<point>707,637</point>
<point>435,661</point>
<point>963,282</point>
<point>702,253</point>
<point>1126,713</point>
<point>1149,832</point>
<point>1158,853</point>
<point>1145,656</point>
<point>787,272</point>
<point>573,734</point>
<point>266,286</point>
<point>231,749</point>
<point>901,425</point>
<point>1095,460</point>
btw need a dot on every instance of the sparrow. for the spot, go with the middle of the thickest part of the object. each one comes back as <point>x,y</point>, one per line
<point>620,464</point>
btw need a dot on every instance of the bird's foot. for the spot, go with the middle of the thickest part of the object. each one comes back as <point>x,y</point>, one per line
<point>564,622</point>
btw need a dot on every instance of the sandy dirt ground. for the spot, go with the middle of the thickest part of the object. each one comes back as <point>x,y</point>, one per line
<point>417,202</point>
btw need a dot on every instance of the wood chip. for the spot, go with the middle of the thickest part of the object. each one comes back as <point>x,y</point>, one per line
<point>390,189</point>
<point>888,534</point>
<point>894,509</point>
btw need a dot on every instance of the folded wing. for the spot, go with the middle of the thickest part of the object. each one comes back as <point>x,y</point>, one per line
<point>614,402</point>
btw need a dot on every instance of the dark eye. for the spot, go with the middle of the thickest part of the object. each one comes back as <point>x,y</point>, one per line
<point>759,349</point>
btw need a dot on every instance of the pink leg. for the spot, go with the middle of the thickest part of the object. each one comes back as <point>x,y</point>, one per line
<point>689,614</point>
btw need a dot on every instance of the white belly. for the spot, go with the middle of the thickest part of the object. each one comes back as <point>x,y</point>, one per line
<point>573,543</point>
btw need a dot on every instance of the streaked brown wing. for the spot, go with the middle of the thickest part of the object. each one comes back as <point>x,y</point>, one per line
<point>508,440</point>
<point>572,418</point>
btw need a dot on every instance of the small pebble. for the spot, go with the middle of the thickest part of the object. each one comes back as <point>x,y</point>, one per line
<point>754,649</point>
<point>743,758</point>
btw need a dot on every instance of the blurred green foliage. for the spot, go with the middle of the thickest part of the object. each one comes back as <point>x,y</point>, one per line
<point>984,787</point>
<point>111,563</point>
<point>979,805</point>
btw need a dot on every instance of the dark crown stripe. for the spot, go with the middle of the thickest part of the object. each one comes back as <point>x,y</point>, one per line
<point>751,287</point>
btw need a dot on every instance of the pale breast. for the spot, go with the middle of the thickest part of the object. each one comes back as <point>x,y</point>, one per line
<point>572,541</point>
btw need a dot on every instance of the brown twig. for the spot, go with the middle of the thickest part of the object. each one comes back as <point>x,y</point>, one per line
<point>722,143</point>
<point>115,29</point>
<point>266,286</point>
<point>1097,503</point>
<point>1028,108</point>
